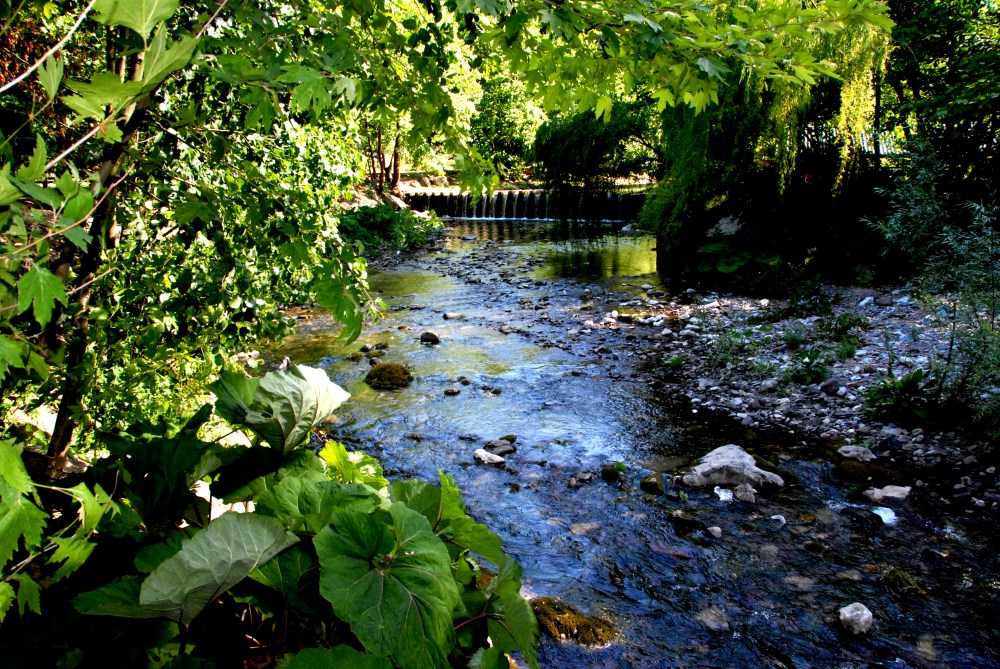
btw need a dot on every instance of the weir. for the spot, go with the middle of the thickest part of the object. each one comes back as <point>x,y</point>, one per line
<point>534,204</point>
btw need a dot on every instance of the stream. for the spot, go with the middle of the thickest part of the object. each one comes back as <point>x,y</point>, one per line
<point>764,593</point>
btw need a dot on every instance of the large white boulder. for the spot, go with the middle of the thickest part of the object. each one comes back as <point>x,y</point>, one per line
<point>730,465</point>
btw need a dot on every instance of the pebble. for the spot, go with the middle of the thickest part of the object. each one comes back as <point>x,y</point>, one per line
<point>856,618</point>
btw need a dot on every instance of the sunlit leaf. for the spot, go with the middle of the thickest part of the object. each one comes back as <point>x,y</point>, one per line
<point>139,15</point>
<point>216,559</point>
<point>39,289</point>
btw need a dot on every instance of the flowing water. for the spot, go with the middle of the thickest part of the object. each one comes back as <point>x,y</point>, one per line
<point>763,594</point>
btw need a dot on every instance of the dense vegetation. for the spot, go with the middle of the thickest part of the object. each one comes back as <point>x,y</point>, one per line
<point>173,174</point>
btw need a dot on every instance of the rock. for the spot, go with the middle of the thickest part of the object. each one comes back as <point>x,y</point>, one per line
<point>612,473</point>
<point>714,619</point>
<point>856,618</point>
<point>583,529</point>
<point>744,492</point>
<point>451,392</point>
<point>512,438</point>
<point>500,447</point>
<point>375,361</point>
<point>859,453</point>
<point>730,465</point>
<point>715,531</point>
<point>562,621</point>
<point>652,483</point>
<point>389,376</point>
<point>484,457</point>
<point>579,479</point>
<point>453,316</point>
<point>889,492</point>
<point>832,386</point>
<point>357,356</point>
<point>768,385</point>
<point>430,338</point>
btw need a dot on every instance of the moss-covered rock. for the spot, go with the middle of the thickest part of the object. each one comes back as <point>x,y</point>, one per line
<point>389,376</point>
<point>564,622</point>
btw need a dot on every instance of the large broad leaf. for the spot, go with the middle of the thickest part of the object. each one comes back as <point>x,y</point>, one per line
<point>341,656</point>
<point>284,407</point>
<point>295,575</point>
<point>216,559</point>
<point>139,15</point>
<point>352,466</point>
<point>304,505</point>
<point>389,577</point>
<point>444,509</point>
<point>118,598</point>
<point>512,623</point>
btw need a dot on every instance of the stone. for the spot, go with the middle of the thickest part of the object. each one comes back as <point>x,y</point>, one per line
<point>652,483</point>
<point>451,392</point>
<point>430,338</point>
<point>484,457</point>
<point>730,465</point>
<point>859,453</point>
<point>714,619</point>
<point>579,479</point>
<point>832,386</point>
<point>453,316</point>
<point>768,385</point>
<point>562,622</point>
<point>612,473</point>
<point>744,492</point>
<point>889,492</point>
<point>512,438</point>
<point>500,447</point>
<point>389,376</point>
<point>715,531</point>
<point>856,618</point>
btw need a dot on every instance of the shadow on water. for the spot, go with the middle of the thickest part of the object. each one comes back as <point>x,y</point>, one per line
<point>764,593</point>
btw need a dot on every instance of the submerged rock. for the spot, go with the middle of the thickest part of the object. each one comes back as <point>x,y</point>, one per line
<point>730,465</point>
<point>389,376</point>
<point>500,447</point>
<point>564,622</point>
<point>430,338</point>
<point>856,618</point>
<point>652,483</point>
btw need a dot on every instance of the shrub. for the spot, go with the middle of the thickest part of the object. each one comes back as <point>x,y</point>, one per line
<point>381,229</point>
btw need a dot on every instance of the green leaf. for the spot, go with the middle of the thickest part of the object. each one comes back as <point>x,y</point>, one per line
<point>106,89</point>
<point>286,404</point>
<point>516,628</point>
<point>216,559</point>
<point>11,355</point>
<point>72,552</point>
<point>12,471</point>
<point>151,557</point>
<point>139,15</point>
<point>40,289</point>
<point>35,169</point>
<point>234,395</point>
<point>163,59</point>
<point>28,594</point>
<point>295,575</point>
<point>50,74</point>
<point>389,577</point>
<point>76,234</point>
<point>339,656</point>
<point>712,68</point>
<point>21,523</point>
<point>79,206</point>
<point>119,598</point>
<point>352,466</point>
<point>603,108</point>
<point>444,509</point>
<point>6,598</point>
<point>9,193</point>
<point>310,505</point>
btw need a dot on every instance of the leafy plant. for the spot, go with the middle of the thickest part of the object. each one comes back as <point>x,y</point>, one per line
<point>398,571</point>
<point>807,367</point>
<point>905,400</point>
<point>380,229</point>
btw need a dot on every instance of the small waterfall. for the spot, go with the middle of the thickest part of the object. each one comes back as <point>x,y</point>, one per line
<point>576,204</point>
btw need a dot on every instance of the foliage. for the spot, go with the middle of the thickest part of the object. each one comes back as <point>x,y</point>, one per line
<point>955,249</point>
<point>505,123</point>
<point>905,400</point>
<point>401,580</point>
<point>380,229</point>
<point>940,87</point>
<point>808,366</point>
<point>583,148</point>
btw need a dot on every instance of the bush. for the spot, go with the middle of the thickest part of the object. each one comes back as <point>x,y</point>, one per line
<point>505,124</point>
<point>381,229</point>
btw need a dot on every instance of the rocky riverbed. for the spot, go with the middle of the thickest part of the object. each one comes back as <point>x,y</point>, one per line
<point>766,367</point>
<point>600,389</point>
